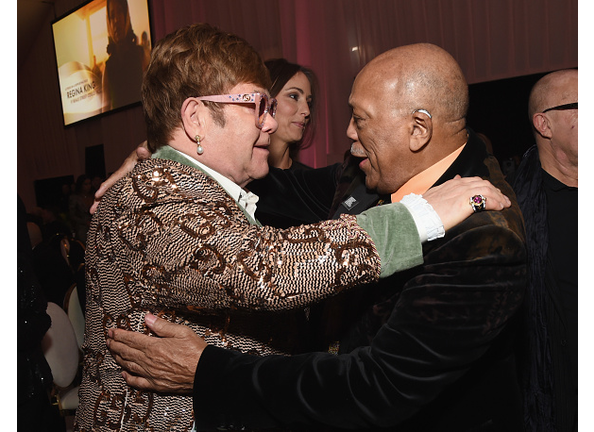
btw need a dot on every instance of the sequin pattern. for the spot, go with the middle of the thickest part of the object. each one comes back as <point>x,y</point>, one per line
<point>168,240</point>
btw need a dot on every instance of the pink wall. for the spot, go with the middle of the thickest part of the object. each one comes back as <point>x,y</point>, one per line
<point>491,39</point>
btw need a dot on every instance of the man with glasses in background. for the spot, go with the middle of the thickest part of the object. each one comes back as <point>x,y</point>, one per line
<point>546,185</point>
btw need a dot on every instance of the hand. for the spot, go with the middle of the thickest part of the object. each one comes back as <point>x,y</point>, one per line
<point>450,199</point>
<point>164,364</point>
<point>140,153</point>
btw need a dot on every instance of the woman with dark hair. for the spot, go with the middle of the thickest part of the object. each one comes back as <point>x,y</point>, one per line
<point>122,76</point>
<point>295,88</point>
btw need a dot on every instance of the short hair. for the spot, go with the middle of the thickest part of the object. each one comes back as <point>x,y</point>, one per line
<point>281,71</point>
<point>197,60</point>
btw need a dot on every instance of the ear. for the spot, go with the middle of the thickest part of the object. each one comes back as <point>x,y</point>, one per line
<point>542,124</point>
<point>422,130</point>
<point>193,116</point>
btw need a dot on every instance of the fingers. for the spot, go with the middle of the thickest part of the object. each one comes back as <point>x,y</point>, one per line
<point>451,200</point>
<point>131,339</point>
<point>165,363</point>
<point>496,202</point>
<point>154,367</point>
<point>162,327</point>
<point>495,199</point>
<point>467,187</point>
<point>102,189</point>
<point>142,151</point>
<point>93,208</point>
<point>127,347</point>
<point>100,192</point>
<point>125,356</point>
<point>138,382</point>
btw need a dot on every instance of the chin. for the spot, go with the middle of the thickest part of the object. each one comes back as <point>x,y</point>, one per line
<point>260,171</point>
<point>370,182</point>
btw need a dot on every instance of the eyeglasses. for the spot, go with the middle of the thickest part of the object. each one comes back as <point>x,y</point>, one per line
<point>264,104</point>
<point>562,107</point>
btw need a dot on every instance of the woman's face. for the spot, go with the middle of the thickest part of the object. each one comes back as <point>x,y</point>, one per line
<point>292,114</point>
<point>118,22</point>
<point>239,150</point>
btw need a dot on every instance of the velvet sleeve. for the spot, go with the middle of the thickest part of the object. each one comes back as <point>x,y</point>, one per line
<point>445,319</point>
<point>389,225</point>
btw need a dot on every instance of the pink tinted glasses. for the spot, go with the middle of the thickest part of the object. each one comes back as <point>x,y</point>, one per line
<point>264,104</point>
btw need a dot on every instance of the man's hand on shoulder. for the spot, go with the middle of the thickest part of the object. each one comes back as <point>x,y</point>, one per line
<point>451,199</point>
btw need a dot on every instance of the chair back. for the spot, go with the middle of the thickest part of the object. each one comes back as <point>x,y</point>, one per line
<point>75,314</point>
<point>60,347</point>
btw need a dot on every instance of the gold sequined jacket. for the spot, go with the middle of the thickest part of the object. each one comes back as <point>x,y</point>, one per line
<point>168,239</point>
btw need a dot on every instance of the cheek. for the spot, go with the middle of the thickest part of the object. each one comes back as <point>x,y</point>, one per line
<point>388,163</point>
<point>377,154</point>
<point>284,110</point>
<point>283,114</point>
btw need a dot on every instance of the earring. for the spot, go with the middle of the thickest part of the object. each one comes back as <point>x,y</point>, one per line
<point>199,148</point>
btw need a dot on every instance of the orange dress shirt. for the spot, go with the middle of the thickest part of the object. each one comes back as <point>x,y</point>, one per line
<point>420,183</point>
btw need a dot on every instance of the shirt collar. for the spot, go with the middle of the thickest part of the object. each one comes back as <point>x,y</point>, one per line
<point>421,183</point>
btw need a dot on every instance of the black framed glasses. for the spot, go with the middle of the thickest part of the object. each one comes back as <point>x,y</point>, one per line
<point>562,107</point>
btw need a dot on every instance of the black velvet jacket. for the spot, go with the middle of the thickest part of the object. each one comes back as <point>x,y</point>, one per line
<point>428,350</point>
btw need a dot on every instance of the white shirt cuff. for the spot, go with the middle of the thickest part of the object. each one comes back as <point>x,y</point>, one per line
<point>427,220</point>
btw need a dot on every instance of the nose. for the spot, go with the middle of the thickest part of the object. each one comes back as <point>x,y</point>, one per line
<point>305,109</point>
<point>356,147</point>
<point>270,125</point>
<point>351,132</point>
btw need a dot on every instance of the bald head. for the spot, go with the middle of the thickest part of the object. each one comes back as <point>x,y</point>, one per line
<point>408,112</point>
<point>554,89</point>
<point>422,76</point>
<point>556,131</point>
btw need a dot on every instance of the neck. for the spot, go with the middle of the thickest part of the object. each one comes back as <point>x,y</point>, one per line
<point>442,145</point>
<point>559,165</point>
<point>566,174</point>
<point>279,154</point>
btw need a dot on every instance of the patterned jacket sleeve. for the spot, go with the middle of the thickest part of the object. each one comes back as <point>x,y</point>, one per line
<point>181,240</point>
